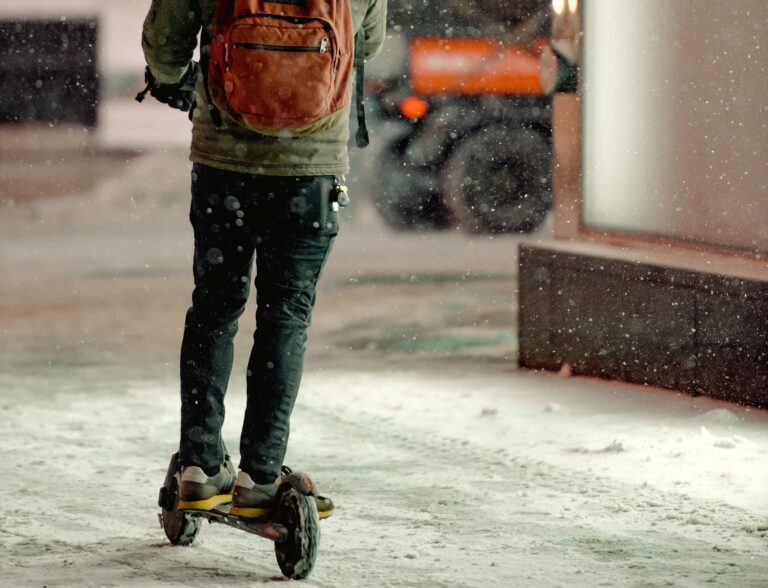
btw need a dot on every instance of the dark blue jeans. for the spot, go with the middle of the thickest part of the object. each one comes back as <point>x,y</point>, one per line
<point>288,225</point>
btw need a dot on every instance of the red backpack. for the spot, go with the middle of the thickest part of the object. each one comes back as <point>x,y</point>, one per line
<point>281,67</point>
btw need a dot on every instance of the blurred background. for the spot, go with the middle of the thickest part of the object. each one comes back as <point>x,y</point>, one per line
<point>659,138</point>
<point>432,114</point>
<point>94,186</point>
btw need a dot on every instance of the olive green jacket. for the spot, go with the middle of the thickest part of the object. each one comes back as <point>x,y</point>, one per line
<point>170,36</point>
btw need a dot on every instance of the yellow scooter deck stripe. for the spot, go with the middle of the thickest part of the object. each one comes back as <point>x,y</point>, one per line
<point>249,513</point>
<point>207,504</point>
<point>257,513</point>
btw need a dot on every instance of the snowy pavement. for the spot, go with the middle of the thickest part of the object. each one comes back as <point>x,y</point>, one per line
<point>449,466</point>
<point>456,478</point>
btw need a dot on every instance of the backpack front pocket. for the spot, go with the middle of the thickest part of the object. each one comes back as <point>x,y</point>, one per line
<point>280,68</point>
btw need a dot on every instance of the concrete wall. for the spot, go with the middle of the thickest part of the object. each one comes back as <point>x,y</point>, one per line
<point>628,316</point>
<point>119,25</point>
<point>676,119</point>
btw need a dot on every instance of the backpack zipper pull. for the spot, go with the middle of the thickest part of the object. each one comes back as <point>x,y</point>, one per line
<point>324,45</point>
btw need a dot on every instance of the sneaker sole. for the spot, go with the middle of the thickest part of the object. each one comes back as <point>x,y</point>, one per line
<point>207,504</point>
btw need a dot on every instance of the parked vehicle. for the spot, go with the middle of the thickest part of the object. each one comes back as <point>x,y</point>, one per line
<point>474,144</point>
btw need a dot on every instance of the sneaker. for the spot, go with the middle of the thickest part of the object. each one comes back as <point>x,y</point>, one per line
<point>304,484</point>
<point>257,501</point>
<point>324,506</point>
<point>251,500</point>
<point>198,491</point>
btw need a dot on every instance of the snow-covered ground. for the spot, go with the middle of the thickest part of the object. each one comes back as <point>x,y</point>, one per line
<point>442,478</point>
<point>449,466</point>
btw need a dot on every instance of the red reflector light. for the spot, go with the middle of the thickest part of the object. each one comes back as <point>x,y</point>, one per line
<point>414,107</point>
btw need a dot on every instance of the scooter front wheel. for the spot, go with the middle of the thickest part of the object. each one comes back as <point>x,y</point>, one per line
<point>297,554</point>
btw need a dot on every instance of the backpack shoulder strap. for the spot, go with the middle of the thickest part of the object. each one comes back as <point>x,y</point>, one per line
<point>205,63</point>
<point>361,137</point>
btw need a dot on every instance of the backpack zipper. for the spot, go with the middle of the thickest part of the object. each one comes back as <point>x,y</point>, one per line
<point>322,48</point>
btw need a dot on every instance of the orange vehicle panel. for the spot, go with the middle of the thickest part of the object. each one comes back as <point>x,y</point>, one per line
<point>474,67</point>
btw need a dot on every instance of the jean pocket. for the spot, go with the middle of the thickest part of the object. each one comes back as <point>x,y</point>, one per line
<point>310,207</point>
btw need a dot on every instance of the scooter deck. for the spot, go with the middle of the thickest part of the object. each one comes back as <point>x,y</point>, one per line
<point>267,529</point>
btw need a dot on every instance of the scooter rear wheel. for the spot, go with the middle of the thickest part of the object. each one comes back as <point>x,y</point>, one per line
<point>181,528</point>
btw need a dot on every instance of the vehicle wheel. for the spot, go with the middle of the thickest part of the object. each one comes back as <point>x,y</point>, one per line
<point>408,197</point>
<point>497,180</point>
<point>298,513</point>
<point>181,528</point>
